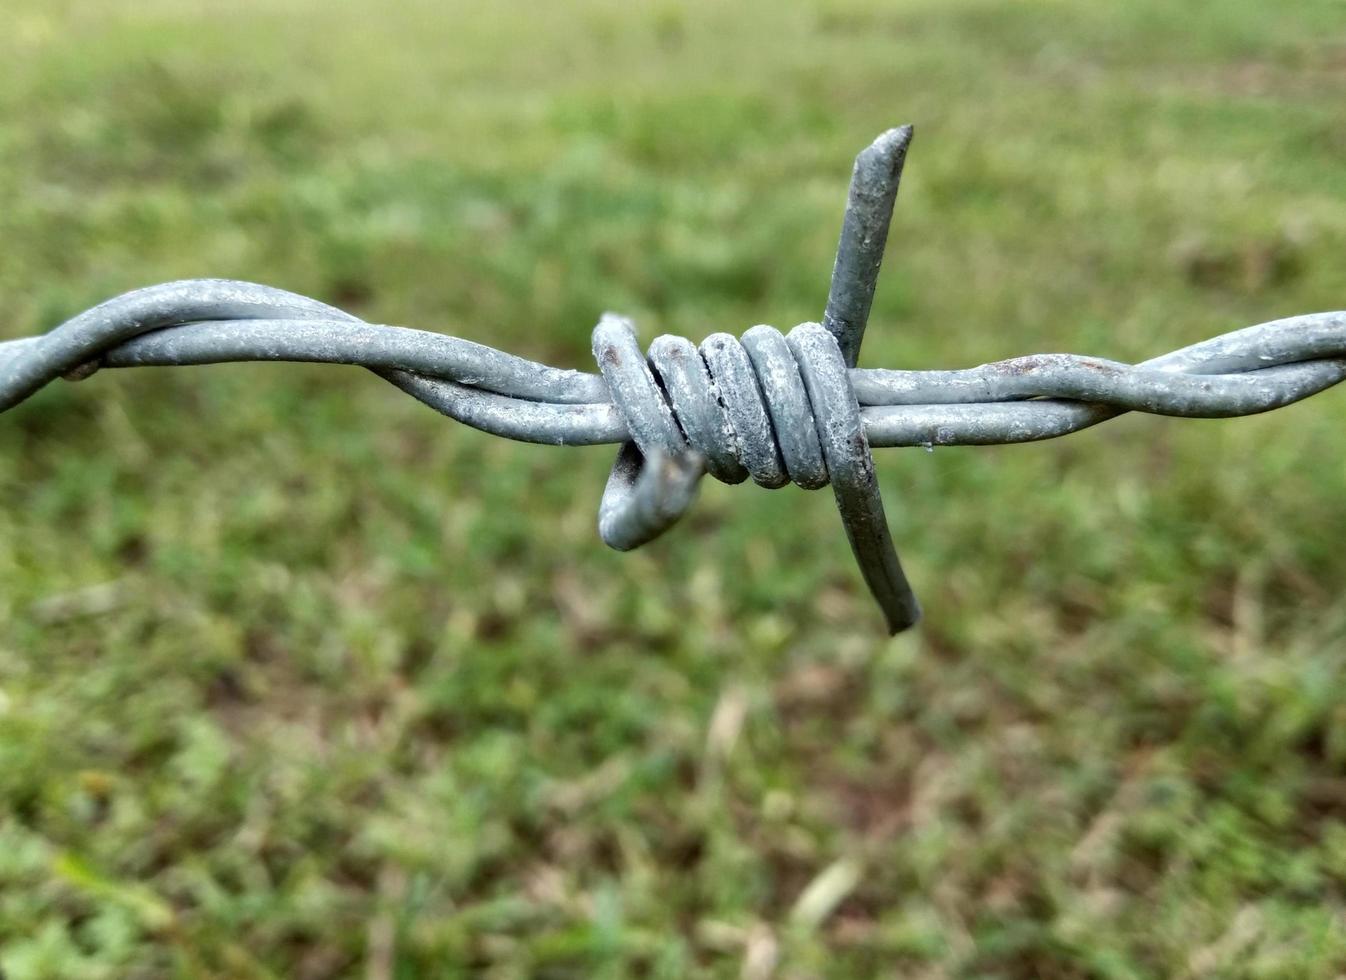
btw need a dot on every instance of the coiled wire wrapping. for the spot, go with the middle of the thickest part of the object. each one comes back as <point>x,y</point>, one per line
<point>778,408</point>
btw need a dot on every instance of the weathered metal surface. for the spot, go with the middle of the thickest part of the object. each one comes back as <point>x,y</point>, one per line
<point>779,408</point>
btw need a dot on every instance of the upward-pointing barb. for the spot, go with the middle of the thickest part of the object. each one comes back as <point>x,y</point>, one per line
<point>864,232</point>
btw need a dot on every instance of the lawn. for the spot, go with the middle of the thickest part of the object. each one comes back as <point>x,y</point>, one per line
<point>300,679</point>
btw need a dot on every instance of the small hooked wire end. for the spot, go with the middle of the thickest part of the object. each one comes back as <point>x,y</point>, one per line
<point>645,496</point>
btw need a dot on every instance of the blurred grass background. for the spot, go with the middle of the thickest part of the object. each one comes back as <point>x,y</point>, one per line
<point>298,679</point>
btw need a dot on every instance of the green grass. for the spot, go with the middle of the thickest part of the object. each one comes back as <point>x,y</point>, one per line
<point>298,679</point>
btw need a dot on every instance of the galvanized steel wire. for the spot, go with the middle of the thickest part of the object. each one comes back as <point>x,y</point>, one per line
<point>775,407</point>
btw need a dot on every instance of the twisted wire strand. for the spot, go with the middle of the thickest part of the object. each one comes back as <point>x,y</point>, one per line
<point>773,407</point>
<point>731,408</point>
<point>1040,396</point>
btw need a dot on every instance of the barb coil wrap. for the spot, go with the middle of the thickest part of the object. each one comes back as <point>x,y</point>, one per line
<point>779,408</point>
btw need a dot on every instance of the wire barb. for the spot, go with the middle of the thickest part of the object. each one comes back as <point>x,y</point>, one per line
<point>778,408</point>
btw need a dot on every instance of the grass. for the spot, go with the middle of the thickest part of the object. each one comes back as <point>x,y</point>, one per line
<point>298,679</point>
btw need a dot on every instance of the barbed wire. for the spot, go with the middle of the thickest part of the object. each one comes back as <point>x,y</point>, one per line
<point>779,408</point>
